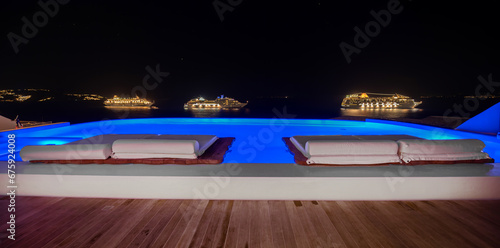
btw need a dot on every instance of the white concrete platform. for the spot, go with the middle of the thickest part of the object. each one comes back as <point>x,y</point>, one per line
<point>258,181</point>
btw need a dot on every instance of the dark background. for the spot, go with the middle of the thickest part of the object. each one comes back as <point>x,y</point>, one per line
<point>261,49</point>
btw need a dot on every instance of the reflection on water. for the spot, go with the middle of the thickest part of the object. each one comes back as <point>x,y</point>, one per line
<point>127,107</point>
<point>123,112</point>
<point>204,112</point>
<point>214,112</point>
<point>381,112</point>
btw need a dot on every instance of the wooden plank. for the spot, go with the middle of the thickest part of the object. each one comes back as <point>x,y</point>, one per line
<point>209,224</point>
<point>259,234</point>
<point>244,225</point>
<point>402,230</point>
<point>116,232</point>
<point>27,207</point>
<point>83,219</point>
<point>123,213</point>
<point>233,228</point>
<point>276,225</point>
<point>181,215</point>
<point>424,225</point>
<point>486,209</point>
<point>364,229</point>
<point>41,236</point>
<point>254,230</point>
<point>455,227</point>
<point>318,236</point>
<point>191,226</point>
<point>470,218</point>
<point>193,206</point>
<point>79,222</point>
<point>22,203</point>
<point>322,223</point>
<point>206,219</point>
<point>142,227</point>
<point>219,237</point>
<point>288,234</point>
<point>80,235</point>
<point>97,232</point>
<point>301,237</point>
<point>350,234</point>
<point>33,224</point>
<point>163,219</point>
<point>264,216</point>
<point>377,232</point>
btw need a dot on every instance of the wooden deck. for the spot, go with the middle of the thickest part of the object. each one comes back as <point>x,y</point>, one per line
<point>91,222</point>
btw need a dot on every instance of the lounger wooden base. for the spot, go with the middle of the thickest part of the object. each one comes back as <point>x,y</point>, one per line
<point>300,159</point>
<point>213,155</point>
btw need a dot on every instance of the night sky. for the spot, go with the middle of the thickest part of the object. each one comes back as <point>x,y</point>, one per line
<point>261,48</point>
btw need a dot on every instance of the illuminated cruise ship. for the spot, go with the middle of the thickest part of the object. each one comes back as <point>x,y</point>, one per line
<point>127,102</point>
<point>378,100</point>
<point>220,102</point>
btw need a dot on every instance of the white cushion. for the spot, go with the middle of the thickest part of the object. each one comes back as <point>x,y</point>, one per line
<point>445,150</point>
<point>125,155</point>
<point>156,146</point>
<point>440,146</point>
<point>354,159</point>
<point>66,152</point>
<point>444,157</point>
<point>351,147</point>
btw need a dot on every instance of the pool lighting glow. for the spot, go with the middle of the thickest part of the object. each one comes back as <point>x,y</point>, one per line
<point>257,140</point>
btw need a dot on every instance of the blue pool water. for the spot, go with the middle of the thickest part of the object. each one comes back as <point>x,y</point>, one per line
<point>257,140</point>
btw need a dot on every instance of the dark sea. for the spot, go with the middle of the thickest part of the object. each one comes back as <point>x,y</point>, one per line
<point>85,111</point>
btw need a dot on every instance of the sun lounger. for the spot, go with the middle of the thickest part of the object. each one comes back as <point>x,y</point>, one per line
<point>383,149</point>
<point>147,149</point>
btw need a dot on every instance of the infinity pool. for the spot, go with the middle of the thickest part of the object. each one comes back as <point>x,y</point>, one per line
<point>257,140</point>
